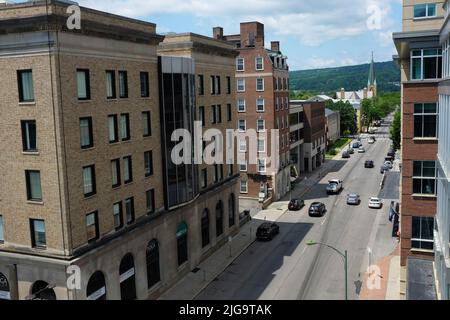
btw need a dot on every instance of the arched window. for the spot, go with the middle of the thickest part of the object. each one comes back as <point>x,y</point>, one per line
<point>153,271</point>
<point>231,210</point>
<point>96,287</point>
<point>4,288</point>
<point>219,219</point>
<point>205,228</point>
<point>182,243</point>
<point>127,278</point>
<point>41,290</point>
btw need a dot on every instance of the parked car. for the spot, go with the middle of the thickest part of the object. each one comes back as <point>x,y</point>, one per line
<point>317,209</point>
<point>353,199</point>
<point>375,203</point>
<point>267,231</point>
<point>345,155</point>
<point>388,164</point>
<point>296,205</point>
<point>356,145</point>
<point>351,150</point>
<point>391,153</point>
<point>361,150</point>
<point>334,186</point>
<point>384,169</point>
<point>371,141</point>
<point>369,164</point>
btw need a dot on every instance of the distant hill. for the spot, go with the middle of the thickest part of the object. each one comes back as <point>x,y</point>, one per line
<point>351,78</point>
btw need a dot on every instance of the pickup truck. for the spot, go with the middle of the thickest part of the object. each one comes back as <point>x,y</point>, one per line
<point>334,186</point>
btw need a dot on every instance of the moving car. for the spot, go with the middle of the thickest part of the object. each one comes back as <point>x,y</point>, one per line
<point>353,199</point>
<point>369,164</point>
<point>296,205</point>
<point>356,145</point>
<point>334,186</point>
<point>267,231</point>
<point>345,155</point>
<point>361,150</point>
<point>375,203</point>
<point>351,150</point>
<point>317,209</point>
<point>371,141</point>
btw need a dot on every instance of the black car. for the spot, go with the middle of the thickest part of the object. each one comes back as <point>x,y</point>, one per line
<point>351,150</point>
<point>267,231</point>
<point>345,155</point>
<point>369,164</point>
<point>391,153</point>
<point>317,209</point>
<point>296,205</point>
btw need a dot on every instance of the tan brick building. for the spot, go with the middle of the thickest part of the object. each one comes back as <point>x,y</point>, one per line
<point>86,180</point>
<point>420,59</point>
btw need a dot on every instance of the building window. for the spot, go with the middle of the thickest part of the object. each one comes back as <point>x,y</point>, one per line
<point>201,115</point>
<point>230,170</point>
<point>259,63</point>
<point>204,178</point>
<point>148,163</point>
<point>92,226</point>
<point>123,84</point>
<point>243,145</point>
<point>129,210</point>
<point>29,136</point>
<point>216,173</point>
<point>201,85</point>
<point>153,268</point>
<point>150,201</point>
<point>241,105</point>
<point>117,214</point>
<point>83,84</point>
<point>125,126</point>
<point>216,114</point>
<point>89,185</point>
<point>243,165</point>
<point>244,186</point>
<point>96,287</point>
<point>241,85</point>
<point>147,124</point>
<point>240,64</point>
<point>86,136</point>
<point>277,104</point>
<point>427,10</point>
<point>113,129</point>
<point>261,145</point>
<point>231,210</point>
<point>426,64</point>
<point>205,228</point>
<point>260,125</point>
<point>2,230</point>
<point>145,85</point>
<point>218,88</point>
<point>219,219</point>
<point>115,173</point>
<point>228,85</point>
<point>242,125</point>
<point>422,233</point>
<point>261,165</point>
<point>425,120</point>
<point>33,180</point>
<point>127,276</point>
<point>38,239</point>
<point>26,88</point>
<point>229,113</point>
<point>128,170</point>
<point>260,84</point>
<point>182,243</point>
<point>212,85</point>
<point>110,84</point>
<point>424,177</point>
<point>260,105</point>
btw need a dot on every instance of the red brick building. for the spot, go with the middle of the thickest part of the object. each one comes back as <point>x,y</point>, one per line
<point>262,80</point>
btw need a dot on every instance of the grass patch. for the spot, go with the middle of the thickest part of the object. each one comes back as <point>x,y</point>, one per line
<point>337,147</point>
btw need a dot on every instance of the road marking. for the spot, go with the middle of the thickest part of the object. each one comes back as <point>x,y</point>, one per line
<point>323,222</point>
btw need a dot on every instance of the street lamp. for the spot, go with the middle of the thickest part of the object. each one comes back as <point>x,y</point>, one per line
<point>343,255</point>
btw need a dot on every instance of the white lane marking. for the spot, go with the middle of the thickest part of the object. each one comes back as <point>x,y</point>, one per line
<point>323,222</point>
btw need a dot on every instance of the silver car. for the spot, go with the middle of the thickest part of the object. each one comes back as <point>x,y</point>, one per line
<point>353,199</point>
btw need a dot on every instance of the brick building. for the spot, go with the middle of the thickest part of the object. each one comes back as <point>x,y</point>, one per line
<point>262,85</point>
<point>86,154</point>
<point>420,60</point>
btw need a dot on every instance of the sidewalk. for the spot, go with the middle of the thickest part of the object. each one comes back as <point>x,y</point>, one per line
<point>384,281</point>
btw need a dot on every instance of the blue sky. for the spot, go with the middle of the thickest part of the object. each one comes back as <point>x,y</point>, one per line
<point>313,33</point>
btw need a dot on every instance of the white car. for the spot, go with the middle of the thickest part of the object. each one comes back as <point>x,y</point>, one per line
<point>371,141</point>
<point>388,164</point>
<point>375,203</point>
<point>361,150</point>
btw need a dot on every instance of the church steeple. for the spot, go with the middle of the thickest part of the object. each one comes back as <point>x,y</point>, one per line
<point>372,82</point>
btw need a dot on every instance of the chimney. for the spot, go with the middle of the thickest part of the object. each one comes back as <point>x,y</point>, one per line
<point>252,34</point>
<point>275,46</point>
<point>218,33</point>
<point>342,94</point>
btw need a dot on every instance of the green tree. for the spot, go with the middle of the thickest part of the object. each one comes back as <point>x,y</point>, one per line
<point>396,130</point>
<point>348,116</point>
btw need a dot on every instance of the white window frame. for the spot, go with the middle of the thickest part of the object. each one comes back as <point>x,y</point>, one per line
<point>237,64</point>
<point>243,85</point>
<point>263,105</point>
<point>422,57</point>
<point>260,161</point>
<point>263,84</point>
<point>243,145</point>
<point>245,125</point>
<point>263,150</point>
<point>243,163</point>
<point>262,64</point>
<point>245,190</point>
<point>244,105</point>
<point>427,16</point>
<point>257,125</point>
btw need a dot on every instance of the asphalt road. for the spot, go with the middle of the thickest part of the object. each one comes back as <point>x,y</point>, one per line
<point>286,268</point>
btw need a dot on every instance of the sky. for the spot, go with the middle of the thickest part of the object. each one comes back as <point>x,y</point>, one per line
<point>313,33</point>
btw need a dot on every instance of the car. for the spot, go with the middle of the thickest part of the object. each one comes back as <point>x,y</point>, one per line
<point>388,164</point>
<point>334,186</point>
<point>353,199</point>
<point>296,205</point>
<point>361,150</point>
<point>267,231</point>
<point>373,138</point>
<point>369,164</point>
<point>317,209</point>
<point>356,145</point>
<point>371,141</point>
<point>383,169</point>
<point>375,203</point>
<point>351,150</point>
<point>391,153</point>
<point>345,155</point>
